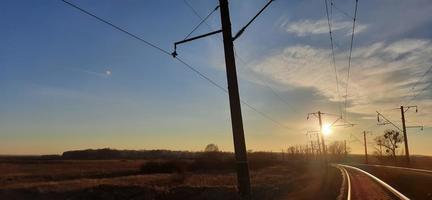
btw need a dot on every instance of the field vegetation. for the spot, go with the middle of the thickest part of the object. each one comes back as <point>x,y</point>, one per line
<point>188,175</point>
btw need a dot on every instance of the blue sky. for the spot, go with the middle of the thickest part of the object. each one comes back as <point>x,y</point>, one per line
<point>71,82</point>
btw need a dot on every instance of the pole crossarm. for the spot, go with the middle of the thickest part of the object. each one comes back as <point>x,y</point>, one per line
<point>333,124</point>
<point>321,113</point>
<point>309,132</point>
<point>421,127</point>
<point>408,107</point>
<point>242,166</point>
<point>174,53</point>
<point>309,114</point>
<point>387,121</point>
<point>345,124</point>
<point>319,134</point>
<point>403,110</point>
<point>332,114</point>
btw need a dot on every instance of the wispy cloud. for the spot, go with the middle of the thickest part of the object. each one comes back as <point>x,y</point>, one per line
<point>382,74</point>
<point>102,74</point>
<point>309,27</point>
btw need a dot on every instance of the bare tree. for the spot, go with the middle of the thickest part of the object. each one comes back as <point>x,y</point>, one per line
<point>337,149</point>
<point>389,142</point>
<point>291,150</point>
<point>299,152</point>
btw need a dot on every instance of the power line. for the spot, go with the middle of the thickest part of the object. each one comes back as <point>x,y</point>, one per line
<point>243,177</point>
<point>331,12</point>
<point>264,115</point>
<point>202,21</point>
<point>196,12</point>
<point>281,98</point>
<point>333,55</point>
<point>193,69</point>
<point>349,58</point>
<point>199,16</point>
<point>421,78</point>
<point>341,11</point>
<point>250,22</point>
<point>201,74</point>
<point>416,95</point>
<point>417,82</point>
<point>226,91</point>
<point>274,92</point>
<point>237,56</point>
<point>117,27</point>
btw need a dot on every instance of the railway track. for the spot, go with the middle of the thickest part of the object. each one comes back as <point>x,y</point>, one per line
<point>359,184</point>
<point>425,171</point>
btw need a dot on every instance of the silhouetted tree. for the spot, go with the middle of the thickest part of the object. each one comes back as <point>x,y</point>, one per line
<point>389,142</point>
<point>211,148</point>
<point>292,150</point>
<point>337,149</point>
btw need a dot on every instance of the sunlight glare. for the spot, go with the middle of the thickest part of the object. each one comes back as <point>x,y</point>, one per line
<point>326,129</point>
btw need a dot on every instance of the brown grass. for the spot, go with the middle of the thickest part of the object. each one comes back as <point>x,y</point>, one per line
<point>103,180</point>
<point>41,171</point>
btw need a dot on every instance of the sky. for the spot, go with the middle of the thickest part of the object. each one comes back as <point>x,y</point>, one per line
<point>70,82</point>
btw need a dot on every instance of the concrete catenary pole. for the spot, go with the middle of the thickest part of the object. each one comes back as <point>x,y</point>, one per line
<point>324,150</point>
<point>407,156</point>
<point>365,147</point>
<point>243,178</point>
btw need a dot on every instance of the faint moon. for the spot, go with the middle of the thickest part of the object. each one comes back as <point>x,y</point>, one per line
<point>108,72</point>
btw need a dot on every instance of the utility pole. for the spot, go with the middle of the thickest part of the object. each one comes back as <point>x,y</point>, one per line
<point>345,149</point>
<point>312,148</point>
<point>322,136</point>
<point>407,157</point>
<point>365,147</point>
<point>320,133</point>
<point>310,133</point>
<point>319,143</point>
<point>404,127</point>
<point>321,146</point>
<point>243,178</point>
<point>235,107</point>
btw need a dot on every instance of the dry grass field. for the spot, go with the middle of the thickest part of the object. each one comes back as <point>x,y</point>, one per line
<point>124,179</point>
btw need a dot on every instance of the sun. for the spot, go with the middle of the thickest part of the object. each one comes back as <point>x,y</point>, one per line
<point>326,129</point>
